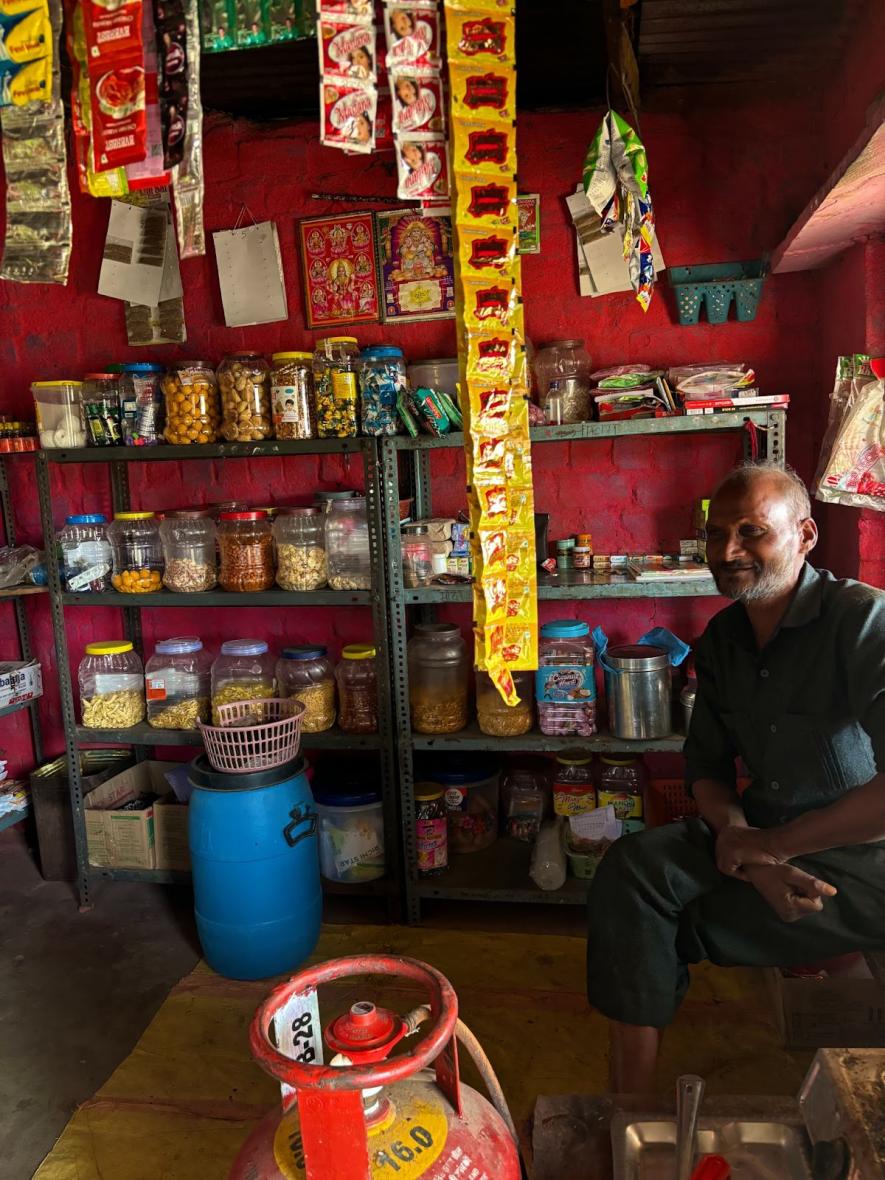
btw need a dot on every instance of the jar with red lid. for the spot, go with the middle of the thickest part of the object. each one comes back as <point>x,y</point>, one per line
<point>245,546</point>
<point>573,790</point>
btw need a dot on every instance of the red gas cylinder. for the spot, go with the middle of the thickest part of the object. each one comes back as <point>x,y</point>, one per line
<point>366,1116</point>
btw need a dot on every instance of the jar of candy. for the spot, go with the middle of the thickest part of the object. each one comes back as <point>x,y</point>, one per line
<point>85,553</point>
<point>300,544</point>
<point>357,689</point>
<point>573,790</point>
<point>565,683</point>
<point>495,716</point>
<point>622,782</point>
<point>244,386</point>
<point>101,405</point>
<point>438,678</point>
<point>177,683</point>
<point>335,365</point>
<point>111,678</point>
<point>245,546</point>
<point>307,673</point>
<point>244,671</point>
<point>525,796</point>
<point>137,552</point>
<point>417,556</point>
<point>193,413</point>
<point>563,367</point>
<point>142,404</point>
<point>292,395</point>
<point>431,830</point>
<point>189,550</point>
<point>382,380</point>
<point>471,788</point>
<point>347,544</point>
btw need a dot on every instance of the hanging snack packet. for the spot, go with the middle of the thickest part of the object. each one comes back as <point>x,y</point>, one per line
<point>487,252</point>
<point>171,39</point>
<point>248,23</point>
<point>488,201</point>
<point>490,303</point>
<point>417,102</point>
<point>29,82</point>
<point>423,166</point>
<point>481,40</point>
<point>350,10</point>
<point>413,37</point>
<point>118,115</point>
<point>347,49</point>
<point>112,32</point>
<point>479,93</point>
<point>486,149</point>
<point>495,356</point>
<point>348,114</point>
<point>25,36</point>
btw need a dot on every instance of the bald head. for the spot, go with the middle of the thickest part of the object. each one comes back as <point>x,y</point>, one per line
<point>782,482</point>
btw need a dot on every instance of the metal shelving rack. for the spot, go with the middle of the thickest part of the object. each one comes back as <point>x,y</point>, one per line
<point>143,737</point>
<point>502,872</point>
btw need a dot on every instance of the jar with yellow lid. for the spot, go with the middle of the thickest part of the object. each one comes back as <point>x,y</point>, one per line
<point>335,365</point>
<point>357,689</point>
<point>622,781</point>
<point>292,395</point>
<point>431,830</point>
<point>137,552</point>
<point>111,679</point>
<point>193,411</point>
<point>573,790</point>
<point>58,406</point>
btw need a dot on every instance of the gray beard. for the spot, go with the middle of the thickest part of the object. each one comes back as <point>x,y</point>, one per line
<point>771,583</point>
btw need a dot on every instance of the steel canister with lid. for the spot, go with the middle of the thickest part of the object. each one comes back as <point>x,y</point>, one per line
<point>637,689</point>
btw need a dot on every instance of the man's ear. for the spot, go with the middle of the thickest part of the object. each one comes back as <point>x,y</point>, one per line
<point>808,533</point>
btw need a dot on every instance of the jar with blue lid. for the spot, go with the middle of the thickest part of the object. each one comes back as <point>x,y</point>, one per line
<point>565,683</point>
<point>85,553</point>
<point>142,404</point>
<point>177,683</point>
<point>382,376</point>
<point>351,829</point>
<point>306,673</point>
<point>244,671</point>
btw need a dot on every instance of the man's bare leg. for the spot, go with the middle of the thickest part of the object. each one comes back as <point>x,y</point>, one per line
<point>633,1057</point>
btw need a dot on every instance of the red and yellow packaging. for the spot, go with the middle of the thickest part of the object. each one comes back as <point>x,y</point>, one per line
<point>483,92</point>
<point>476,38</point>
<point>484,149</point>
<point>491,304</point>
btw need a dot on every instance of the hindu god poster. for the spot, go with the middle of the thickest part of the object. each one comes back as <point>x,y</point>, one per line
<point>416,266</point>
<point>340,272</point>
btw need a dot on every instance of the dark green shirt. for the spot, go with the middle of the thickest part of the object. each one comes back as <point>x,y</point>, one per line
<point>806,715</point>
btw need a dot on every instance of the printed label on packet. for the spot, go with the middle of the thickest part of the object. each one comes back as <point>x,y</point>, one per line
<point>347,49</point>
<point>119,124</point>
<point>515,644</point>
<point>355,11</point>
<point>505,598</point>
<point>566,684</point>
<point>491,303</point>
<point>348,112</point>
<point>481,40</point>
<point>506,457</point>
<point>417,102</point>
<point>30,82</point>
<point>487,201</point>
<point>484,252</point>
<point>423,165</point>
<point>413,37</point>
<point>26,38</point>
<point>112,30</point>
<point>485,149</point>
<point>480,94</point>
<point>496,356</point>
<point>498,410</point>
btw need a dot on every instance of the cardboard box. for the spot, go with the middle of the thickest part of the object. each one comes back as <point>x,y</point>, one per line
<point>19,681</point>
<point>844,1011</point>
<point>170,834</point>
<point>124,839</point>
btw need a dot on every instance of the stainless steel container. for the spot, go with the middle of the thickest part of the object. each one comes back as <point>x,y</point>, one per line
<point>686,700</point>
<point>637,689</point>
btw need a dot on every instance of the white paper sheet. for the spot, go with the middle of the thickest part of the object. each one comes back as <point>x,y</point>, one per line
<point>250,274</point>
<point>133,261</point>
<point>601,824</point>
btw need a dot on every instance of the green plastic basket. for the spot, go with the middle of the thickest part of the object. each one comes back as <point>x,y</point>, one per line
<point>716,285</point>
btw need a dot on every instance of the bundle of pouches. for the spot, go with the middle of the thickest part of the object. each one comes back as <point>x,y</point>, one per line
<point>852,467</point>
<point>712,380</point>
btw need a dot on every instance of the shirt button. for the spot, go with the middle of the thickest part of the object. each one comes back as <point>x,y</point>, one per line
<point>764,673</point>
<point>773,728</point>
<point>775,786</point>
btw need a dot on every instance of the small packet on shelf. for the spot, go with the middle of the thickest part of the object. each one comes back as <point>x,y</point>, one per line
<point>349,114</point>
<point>413,37</point>
<point>484,149</point>
<point>423,165</point>
<point>418,103</point>
<point>483,93</point>
<point>488,252</point>
<point>430,411</point>
<point>481,40</point>
<point>347,49</point>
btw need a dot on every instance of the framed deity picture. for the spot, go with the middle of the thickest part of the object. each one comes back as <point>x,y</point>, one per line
<point>528,207</point>
<point>340,270</point>
<point>416,266</point>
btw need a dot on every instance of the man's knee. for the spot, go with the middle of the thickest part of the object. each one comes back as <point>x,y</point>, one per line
<point>646,859</point>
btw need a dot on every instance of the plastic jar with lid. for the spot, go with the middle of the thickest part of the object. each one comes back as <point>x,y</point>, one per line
<point>351,830</point>
<point>471,788</point>
<point>306,673</point>
<point>189,539</point>
<point>495,716</point>
<point>142,404</point>
<point>111,679</point>
<point>300,542</point>
<point>417,556</point>
<point>193,413</point>
<point>245,546</point>
<point>382,381</point>
<point>357,689</point>
<point>565,683</point>
<point>622,781</point>
<point>325,500</point>
<point>347,544</point>
<point>85,553</point>
<point>438,678</point>
<point>563,367</point>
<point>525,796</point>
<point>58,407</point>
<point>138,552</point>
<point>103,409</point>
<point>335,365</point>
<point>292,395</point>
<point>431,830</point>
<point>573,789</point>
<point>244,386</point>
<point>244,671</point>
<point>177,683</point>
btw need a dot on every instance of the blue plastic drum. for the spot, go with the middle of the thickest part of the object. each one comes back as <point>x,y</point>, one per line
<point>253,842</point>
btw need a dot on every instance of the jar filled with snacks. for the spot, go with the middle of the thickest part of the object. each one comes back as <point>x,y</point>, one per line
<point>525,796</point>
<point>111,678</point>
<point>335,365</point>
<point>563,369</point>
<point>103,410</point>
<point>382,381</point>
<point>189,539</point>
<point>300,543</point>
<point>438,678</point>
<point>357,689</point>
<point>244,387</point>
<point>573,790</point>
<point>622,782</point>
<point>495,716</point>
<point>193,414</point>
<point>417,556</point>
<point>177,683</point>
<point>245,546</point>
<point>142,404</point>
<point>308,674</point>
<point>244,671</point>
<point>58,407</point>
<point>138,552</point>
<point>565,683</point>
<point>470,787</point>
<point>347,544</point>
<point>85,553</point>
<point>292,395</point>
<point>431,830</point>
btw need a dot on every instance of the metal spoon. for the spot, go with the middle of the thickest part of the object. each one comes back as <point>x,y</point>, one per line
<point>689,1093</point>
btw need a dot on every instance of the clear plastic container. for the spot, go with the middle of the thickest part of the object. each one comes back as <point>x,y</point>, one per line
<point>471,789</point>
<point>357,689</point>
<point>245,546</point>
<point>382,377</point>
<point>622,783</point>
<point>417,556</point>
<point>351,833</point>
<point>193,412</point>
<point>563,367</point>
<point>438,678</point>
<point>441,374</point>
<point>495,716</point>
<point>325,500</point>
<point>292,395</point>
<point>103,409</point>
<point>111,678</point>
<point>244,671</point>
<point>335,364</point>
<point>85,553</point>
<point>58,406</point>
<point>525,796</point>
<point>573,789</point>
<point>431,830</point>
<point>244,386</point>
<point>565,683</point>
<point>189,539</point>
<point>347,544</point>
<point>300,543</point>
<point>142,404</point>
<point>138,553</point>
<point>308,674</point>
<point>177,683</point>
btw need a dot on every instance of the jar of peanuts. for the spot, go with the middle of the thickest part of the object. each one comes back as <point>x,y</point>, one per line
<point>137,552</point>
<point>189,541</point>
<point>244,385</point>
<point>245,545</point>
<point>193,414</point>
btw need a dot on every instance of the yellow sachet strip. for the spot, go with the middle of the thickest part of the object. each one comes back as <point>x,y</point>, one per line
<point>482,91</point>
<point>483,148</point>
<point>489,201</point>
<point>481,39</point>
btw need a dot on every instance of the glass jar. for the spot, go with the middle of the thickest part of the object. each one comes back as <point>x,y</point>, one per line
<point>495,716</point>
<point>622,783</point>
<point>325,500</point>
<point>58,407</point>
<point>573,790</point>
<point>563,367</point>
<point>438,678</point>
<point>357,689</point>
<point>471,787</point>
<point>142,404</point>
<point>347,544</point>
<point>525,796</point>
<point>308,674</point>
<point>382,381</point>
<point>85,553</point>
<point>565,683</point>
<point>335,387</point>
<point>177,684</point>
<point>431,830</point>
<point>103,409</point>
<point>193,413</point>
<point>111,678</point>
<point>300,542</point>
<point>244,386</point>
<point>292,395</point>
<point>138,553</point>
<point>417,556</point>
<point>245,546</point>
<point>189,541</point>
<point>244,671</point>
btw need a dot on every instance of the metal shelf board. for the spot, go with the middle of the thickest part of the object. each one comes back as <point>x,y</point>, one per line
<point>146,735</point>
<point>575,585</point>
<point>7,710</point>
<point>165,453</point>
<point>12,818</point>
<point>380,888</point>
<point>472,738</point>
<point>222,598</point>
<point>499,873</point>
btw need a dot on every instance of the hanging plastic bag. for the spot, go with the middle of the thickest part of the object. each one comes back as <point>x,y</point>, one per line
<point>855,470</point>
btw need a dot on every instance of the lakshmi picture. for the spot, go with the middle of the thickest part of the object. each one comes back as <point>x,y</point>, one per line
<point>416,265</point>
<point>340,271</point>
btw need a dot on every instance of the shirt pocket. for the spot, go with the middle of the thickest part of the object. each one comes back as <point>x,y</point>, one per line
<point>802,759</point>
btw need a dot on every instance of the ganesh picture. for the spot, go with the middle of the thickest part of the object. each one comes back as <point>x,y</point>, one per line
<point>417,267</point>
<point>418,251</point>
